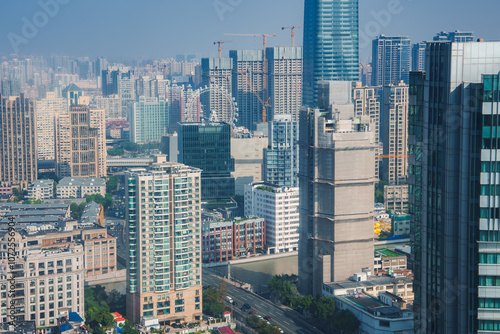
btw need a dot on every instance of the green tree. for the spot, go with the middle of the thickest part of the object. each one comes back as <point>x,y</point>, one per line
<point>288,293</point>
<point>346,322</point>
<point>379,191</point>
<point>33,201</point>
<point>106,201</point>
<point>129,329</point>
<point>116,151</point>
<point>111,184</point>
<point>19,194</point>
<point>213,304</point>
<point>323,310</point>
<point>77,210</point>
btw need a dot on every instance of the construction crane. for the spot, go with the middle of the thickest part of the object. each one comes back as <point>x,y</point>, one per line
<point>265,104</point>
<point>292,28</point>
<point>264,36</point>
<point>220,46</point>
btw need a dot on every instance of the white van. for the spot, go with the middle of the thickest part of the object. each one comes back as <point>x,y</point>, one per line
<point>229,299</point>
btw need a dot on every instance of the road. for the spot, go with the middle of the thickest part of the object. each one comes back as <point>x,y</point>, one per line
<point>286,319</point>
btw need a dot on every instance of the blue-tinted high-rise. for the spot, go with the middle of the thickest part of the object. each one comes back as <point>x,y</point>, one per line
<point>331,44</point>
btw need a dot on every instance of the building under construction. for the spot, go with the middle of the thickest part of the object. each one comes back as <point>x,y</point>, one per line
<point>336,180</point>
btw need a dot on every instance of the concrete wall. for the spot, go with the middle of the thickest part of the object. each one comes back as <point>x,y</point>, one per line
<point>248,158</point>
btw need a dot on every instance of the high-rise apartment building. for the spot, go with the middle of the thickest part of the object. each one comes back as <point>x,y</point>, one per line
<point>418,56</point>
<point>336,182</point>
<point>284,67</point>
<point>217,76</point>
<point>453,188</point>
<point>391,60</point>
<point>456,36</point>
<point>100,64</point>
<point>46,110</point>
<point>18,161</point>
<point>81,143</point>
<point>395,133</point>
<point>62,137</point>
<point>148,119</point>
<point>112,105</point>
<point>281,156</point>
<point>279,206</point>
<point>119,81</point>
<point>365,74</point>
<point>367,103</point>
<point>331,44</point>
<point>164,236</point>
<point>248,85</point>
<point>208,147</point>
<point>98,124</point>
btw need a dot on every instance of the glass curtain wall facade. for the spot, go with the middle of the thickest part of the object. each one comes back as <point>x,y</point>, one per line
<point>453,122</point>
<point>391,60</point>
<point>331,44</point>
<point>208,147</point>
<point>281,157</point>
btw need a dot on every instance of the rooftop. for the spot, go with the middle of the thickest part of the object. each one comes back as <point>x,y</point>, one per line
<point>45,206</point>
<point>42,183</point>
<point>82,182</point>
<point>374,306</point>
<point>273,188</point>
<point>387,253</point>
<point>372,281</point>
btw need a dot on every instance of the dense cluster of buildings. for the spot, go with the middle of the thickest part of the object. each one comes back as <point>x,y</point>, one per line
<point>269,151</point>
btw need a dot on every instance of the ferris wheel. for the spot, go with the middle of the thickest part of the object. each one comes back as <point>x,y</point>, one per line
<point>229,115</point>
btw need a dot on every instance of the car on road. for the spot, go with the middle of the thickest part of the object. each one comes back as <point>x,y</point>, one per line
<point>260,317</point>
<point>229,299</point>
<point>245,307</point>
<point>252,313</point>
<point>268,318</point>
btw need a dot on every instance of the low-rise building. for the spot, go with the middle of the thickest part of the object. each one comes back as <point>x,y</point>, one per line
<point>100,251</point>
<point>396,197</point>
<point>93,213</point>
<point>48,280</point>
<point>78,187</point>
<point>400,224</point>
<point>279,206</point>
<point>41,189</point>
<point>249,236</point>
<point>223,240</point>
<point>217,241</point>
<point>386,259</point>
<point>372,285</point>
<point>376,317</point>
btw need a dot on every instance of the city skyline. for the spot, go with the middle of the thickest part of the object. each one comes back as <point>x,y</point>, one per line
<point>107,21</point>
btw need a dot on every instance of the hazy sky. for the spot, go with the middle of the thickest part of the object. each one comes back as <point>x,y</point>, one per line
<point>164,28</point>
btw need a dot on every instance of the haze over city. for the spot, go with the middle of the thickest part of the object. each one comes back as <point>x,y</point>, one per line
<point>164,28</point>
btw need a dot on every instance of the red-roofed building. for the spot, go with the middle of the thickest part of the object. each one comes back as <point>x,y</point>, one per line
<point>225,330</point>
<point>116,315</point>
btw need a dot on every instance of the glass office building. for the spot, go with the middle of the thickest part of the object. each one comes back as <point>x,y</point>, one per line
<point>208,147</point>
<point>281,157</point>
<point>454,196</point>
<point>331,44</point>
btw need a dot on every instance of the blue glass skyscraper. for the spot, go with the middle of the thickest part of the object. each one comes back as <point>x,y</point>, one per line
<point>331,44</point>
